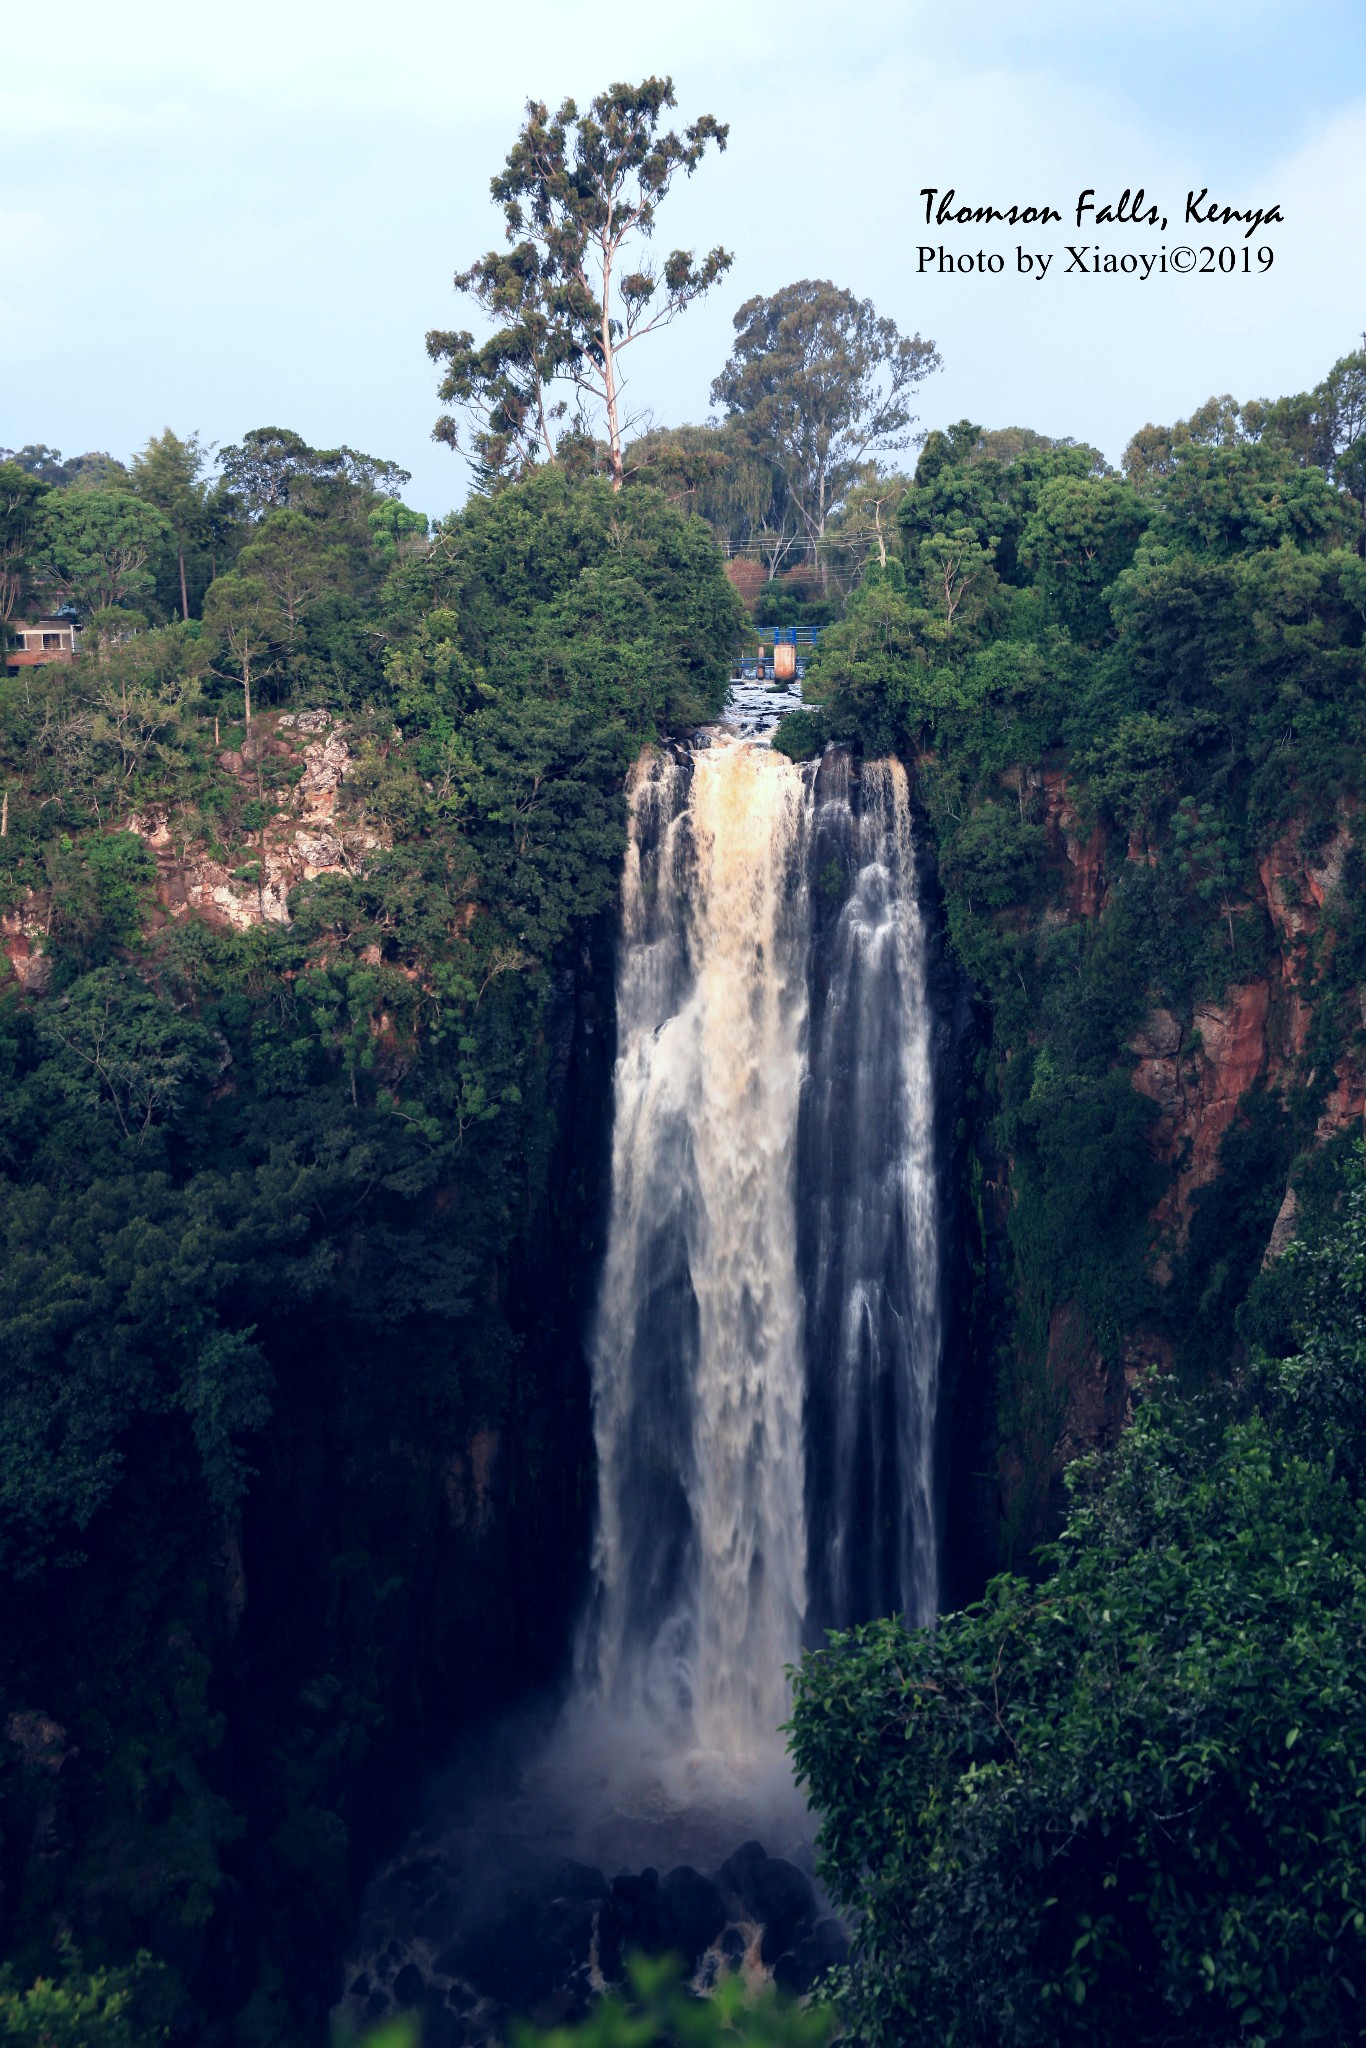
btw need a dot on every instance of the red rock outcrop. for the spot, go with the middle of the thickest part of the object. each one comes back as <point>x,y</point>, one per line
<point>22,933</point>
<point>1197,1079</point>
<point>1084,850</point>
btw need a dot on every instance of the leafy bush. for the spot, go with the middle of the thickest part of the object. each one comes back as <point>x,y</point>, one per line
<point>98,2009</point>
<point>801,735</point>
<point>1125,1804</point>
<point>657,2011</point>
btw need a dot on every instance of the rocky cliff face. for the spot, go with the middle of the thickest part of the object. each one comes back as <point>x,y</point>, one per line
<point>1201,1072</point>
<point>305,834</point>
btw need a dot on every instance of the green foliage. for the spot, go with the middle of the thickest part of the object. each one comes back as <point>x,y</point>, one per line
<point>262,1192</point>
<point>1150,455</point>
<point>396,530</point>
<point>580,194</point>
<point>96,548</point>
<point>1124,1804</point>
<point>1314,1301</point>
<point>658,2011</point>
<point>959,483</point>
<point>873,672</point>
<point>21,496</point>
<point>1221,501</point>
<point>819,385</point>
<point>1081,534</point>
<point>1118,695</point>
<point>169,473</point>
<point>296,560</point>
<point>800,735</point>
<point>273,469</point>
<point>99,2009</point>
<point>713,471</point>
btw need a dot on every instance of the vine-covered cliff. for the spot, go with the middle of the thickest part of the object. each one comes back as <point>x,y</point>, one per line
<point>306,1047</point>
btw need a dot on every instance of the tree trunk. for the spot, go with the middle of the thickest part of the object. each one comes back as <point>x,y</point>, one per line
<point>544,425</point>
<point>609,377</point>
<point>184,600</point>
<point>246,691</point>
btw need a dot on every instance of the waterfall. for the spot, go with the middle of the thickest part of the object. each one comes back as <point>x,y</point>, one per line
<point>764,1357</point>
<point>868,1242</point>
<point>765,1351</point>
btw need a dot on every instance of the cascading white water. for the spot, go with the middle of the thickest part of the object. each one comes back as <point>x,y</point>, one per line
<point>869,1240</point>
<point>766,1348</point>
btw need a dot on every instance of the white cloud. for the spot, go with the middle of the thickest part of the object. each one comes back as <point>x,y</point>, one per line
<point>261,222</point>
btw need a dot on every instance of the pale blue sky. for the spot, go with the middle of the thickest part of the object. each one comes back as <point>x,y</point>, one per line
<point>217,222</point>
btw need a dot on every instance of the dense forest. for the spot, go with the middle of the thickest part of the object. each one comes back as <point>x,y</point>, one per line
<point>308,862</point>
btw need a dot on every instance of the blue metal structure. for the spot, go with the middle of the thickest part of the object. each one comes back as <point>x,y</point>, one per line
<point>759,667</point>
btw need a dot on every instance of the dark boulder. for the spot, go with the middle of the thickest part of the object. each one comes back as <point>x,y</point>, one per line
<point>629,1919</point>
<point>733,1874</point>
<point>788,1976</point>
<point>771,1891</point>
<point>818,1949</point>
<point>409,1986</point>
<point>681,1915</point>
<point>691,1914</point>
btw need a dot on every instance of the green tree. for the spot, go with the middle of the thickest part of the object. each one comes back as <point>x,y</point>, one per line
<point>958,483</point>
<point>1082,533</point>
<point>865,527</point>
<point>169,474</point>
<point>1204,848</point>
<point>1325,427</point>
<point>397,531</point>
<point>820,384</point>
<point>296,560</point>
<point>1123,1804</point>
<point>717,472</point>
<point>877,673</point>
<point>100,547</point>
<point>577,191</point>
<point>21,495</point>
<point>1224,500</point>
<point>1218,423</point>
<point>273,468</point>
<point>79,2009</point>
<point>505,382</point>
<point>957,576</point>
<point>248,625</point>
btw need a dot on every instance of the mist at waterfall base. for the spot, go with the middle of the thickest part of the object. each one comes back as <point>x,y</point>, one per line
<point>766,1346</point>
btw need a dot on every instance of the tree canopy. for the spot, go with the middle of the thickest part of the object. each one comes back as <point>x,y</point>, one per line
<point>571,293</point>
<point>96,548</point>
<point>1125,1804</point>
<point>820,383</point>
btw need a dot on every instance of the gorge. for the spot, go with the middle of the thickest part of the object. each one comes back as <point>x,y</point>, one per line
<point>766,1362</point>
<point>1012,1077</point>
